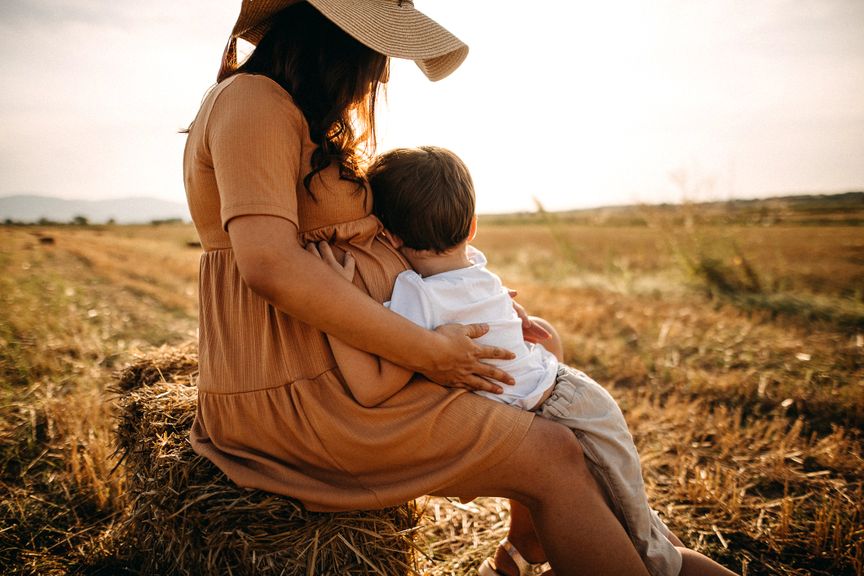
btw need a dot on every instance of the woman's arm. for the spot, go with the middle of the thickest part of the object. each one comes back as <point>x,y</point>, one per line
<point>274,265</point>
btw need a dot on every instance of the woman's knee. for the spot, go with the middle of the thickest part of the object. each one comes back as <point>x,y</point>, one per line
<point>560,445</point>
<point>555,458</point>
<point>554,343</point>
<point>546,465</point>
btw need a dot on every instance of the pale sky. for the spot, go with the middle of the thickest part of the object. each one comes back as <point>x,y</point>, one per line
<point>578,104</point>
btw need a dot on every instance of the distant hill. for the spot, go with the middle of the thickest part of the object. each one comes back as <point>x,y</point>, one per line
<point>32,208</point>
<point>843,209</point>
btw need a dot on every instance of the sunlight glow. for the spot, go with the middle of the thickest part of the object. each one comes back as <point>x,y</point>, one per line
<point>578,104</point>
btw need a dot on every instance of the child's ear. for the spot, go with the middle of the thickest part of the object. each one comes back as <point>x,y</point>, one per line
<point>473,231</point>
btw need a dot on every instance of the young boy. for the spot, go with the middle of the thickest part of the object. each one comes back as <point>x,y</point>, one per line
<point>425,199</point>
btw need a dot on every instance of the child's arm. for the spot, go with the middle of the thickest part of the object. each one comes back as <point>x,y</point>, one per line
<point>531,331</point>
<point>371,379</point>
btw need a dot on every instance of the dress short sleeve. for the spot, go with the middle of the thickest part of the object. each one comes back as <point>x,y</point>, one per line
<point>255,134</point>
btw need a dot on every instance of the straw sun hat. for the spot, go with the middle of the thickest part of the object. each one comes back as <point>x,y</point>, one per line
<point>391,27</point>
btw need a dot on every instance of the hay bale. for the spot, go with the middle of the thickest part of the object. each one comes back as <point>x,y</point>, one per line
<point>186,517</point>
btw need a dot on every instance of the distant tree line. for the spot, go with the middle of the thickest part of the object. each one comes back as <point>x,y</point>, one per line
<point>81,221</point>
<point>75,221</point>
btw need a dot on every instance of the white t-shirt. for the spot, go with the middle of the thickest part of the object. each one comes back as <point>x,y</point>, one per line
<point>475,295</point>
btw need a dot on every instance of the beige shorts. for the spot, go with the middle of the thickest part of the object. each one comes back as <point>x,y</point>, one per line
<point>589,410</point>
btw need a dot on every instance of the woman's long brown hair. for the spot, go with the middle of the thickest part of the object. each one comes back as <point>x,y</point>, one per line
<point>333,79</point>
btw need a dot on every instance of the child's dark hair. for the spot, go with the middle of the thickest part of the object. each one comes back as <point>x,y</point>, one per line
<point>423,195</point>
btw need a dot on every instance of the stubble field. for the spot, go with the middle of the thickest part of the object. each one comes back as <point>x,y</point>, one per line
<point>735,351</point>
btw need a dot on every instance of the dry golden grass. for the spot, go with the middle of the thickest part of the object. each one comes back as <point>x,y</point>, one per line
<point>827,261</point>
<point>187,518</point>
<point>748,414</point>
<point>65,326</point>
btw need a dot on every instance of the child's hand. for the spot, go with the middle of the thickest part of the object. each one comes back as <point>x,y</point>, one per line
<point>531,332</point>
<point>324,252</point>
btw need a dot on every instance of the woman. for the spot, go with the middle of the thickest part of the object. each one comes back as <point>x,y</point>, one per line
<point>272,163</point>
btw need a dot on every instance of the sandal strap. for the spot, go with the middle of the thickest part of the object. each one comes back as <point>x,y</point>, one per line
<point>525,568</point>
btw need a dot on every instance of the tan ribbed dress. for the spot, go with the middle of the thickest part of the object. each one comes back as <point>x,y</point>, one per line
<point>273,410</point>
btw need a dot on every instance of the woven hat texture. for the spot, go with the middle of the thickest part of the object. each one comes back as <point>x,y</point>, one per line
<point>392,27</point>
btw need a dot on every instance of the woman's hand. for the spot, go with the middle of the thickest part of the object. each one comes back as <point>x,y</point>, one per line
<point>458,360</point>
<point>531,331</point>
<point>323,251</point>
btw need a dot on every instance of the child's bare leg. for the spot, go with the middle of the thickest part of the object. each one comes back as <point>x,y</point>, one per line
<point>523,537</point>
<point>522,534</point>
<point>548,472</point>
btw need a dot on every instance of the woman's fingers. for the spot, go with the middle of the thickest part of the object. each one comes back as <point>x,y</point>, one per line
<point>477,383</point>
<point>489,352</point>
<point>489,372</point>
<point>475,330</point>
<point>465,369</point>
<point>494,353</point>
<point>467,382</point>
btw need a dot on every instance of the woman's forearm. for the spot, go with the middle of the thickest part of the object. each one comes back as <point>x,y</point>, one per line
<point>312,292</point>
<point>307,289</point>
<point>274,265</point>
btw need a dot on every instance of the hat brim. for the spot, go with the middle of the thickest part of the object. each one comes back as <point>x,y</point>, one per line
<point>389,27</point>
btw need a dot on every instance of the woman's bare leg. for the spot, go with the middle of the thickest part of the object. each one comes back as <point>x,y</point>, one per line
<point>548,474</point>
<point>524,537</point>
<point>522,533</point>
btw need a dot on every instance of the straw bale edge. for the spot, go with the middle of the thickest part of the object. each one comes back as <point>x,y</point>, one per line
<point>186,517</point>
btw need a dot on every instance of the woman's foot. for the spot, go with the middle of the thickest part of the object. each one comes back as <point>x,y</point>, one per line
<point>509,561</point>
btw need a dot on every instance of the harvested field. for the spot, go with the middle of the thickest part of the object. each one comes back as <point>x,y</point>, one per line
<point>185,517</point>
<point>736,354</point>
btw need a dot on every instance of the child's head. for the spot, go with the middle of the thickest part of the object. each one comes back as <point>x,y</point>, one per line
<point>424,196</point>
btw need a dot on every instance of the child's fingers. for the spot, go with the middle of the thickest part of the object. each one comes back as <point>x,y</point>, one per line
<point>312,249</point>
<point>534,332</point>
<point>329,257</point>
<point>326,253</point>
<point>523,315</point>
<point>349,265</point>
